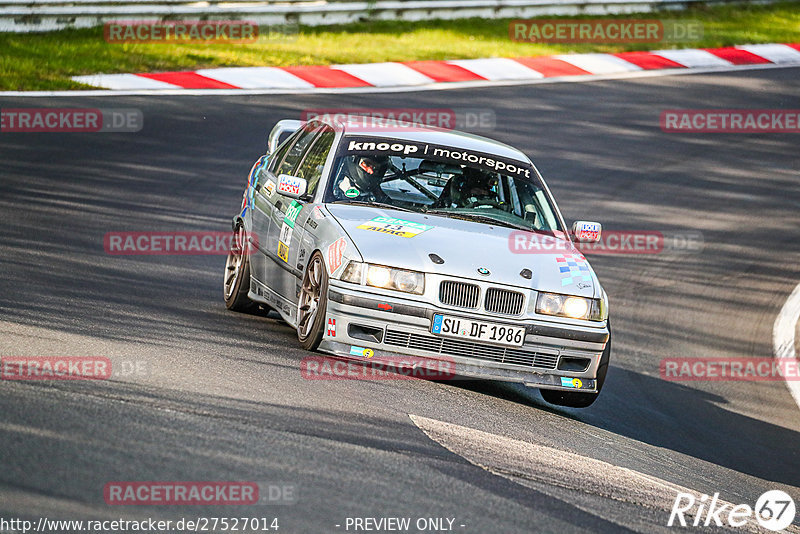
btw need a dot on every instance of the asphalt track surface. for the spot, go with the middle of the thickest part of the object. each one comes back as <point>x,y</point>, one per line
<point>223,398</point>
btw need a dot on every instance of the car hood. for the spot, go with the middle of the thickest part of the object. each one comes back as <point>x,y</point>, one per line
<point>467,246</point>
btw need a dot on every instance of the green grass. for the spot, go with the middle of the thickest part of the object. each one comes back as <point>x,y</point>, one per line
<point>45,61</point>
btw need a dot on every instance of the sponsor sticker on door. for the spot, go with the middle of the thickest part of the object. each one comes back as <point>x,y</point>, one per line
<point>287,229</point>
<point>292,212</point>
<point>283,252</point>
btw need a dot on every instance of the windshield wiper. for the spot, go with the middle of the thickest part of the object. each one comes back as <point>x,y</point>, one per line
<point>478,217</point>
<point>443,213</point>
<point>375,204</point>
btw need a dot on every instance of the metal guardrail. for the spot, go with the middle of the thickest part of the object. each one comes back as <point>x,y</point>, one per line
<point>23,16</point>
<point>38,3</point>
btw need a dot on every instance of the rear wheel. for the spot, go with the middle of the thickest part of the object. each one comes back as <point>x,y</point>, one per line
<point>313,303</point>
<point>576,399</point>
<point>237,273</point>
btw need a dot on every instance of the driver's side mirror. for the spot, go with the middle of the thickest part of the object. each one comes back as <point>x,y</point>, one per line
<point>586,231</point>
<point>292,186</point>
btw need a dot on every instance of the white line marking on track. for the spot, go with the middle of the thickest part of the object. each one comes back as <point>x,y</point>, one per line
<point>783,336</point>
<point>560,473</point>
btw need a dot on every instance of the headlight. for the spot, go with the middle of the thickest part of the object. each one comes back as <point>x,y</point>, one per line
<point>569,306</point>
<point>576,307</point>
<point>384,277</point>
<point>409,282</point>
<point>378,276</point>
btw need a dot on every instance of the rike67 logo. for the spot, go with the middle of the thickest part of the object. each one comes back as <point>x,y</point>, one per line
<point>774,510</point>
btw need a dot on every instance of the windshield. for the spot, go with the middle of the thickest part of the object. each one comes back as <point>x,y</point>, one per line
<point>442,181</point>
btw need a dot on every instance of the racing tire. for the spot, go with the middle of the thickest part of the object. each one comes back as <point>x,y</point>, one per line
<point>574,399</point>
<point>313,303</point>
<point>236,282</point>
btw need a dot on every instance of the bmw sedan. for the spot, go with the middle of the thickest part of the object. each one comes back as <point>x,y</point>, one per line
<point>381,243</point>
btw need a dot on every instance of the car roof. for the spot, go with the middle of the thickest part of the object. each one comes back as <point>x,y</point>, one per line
<point>421,133</point>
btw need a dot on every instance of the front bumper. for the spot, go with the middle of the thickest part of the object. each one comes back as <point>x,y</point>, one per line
<point>394,327</point>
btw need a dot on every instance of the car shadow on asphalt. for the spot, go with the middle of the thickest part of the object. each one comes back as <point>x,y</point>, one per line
<point>676,417</point>
<point>339,465</point>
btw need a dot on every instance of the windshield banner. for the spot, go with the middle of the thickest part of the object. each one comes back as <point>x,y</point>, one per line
<point>402,148</point>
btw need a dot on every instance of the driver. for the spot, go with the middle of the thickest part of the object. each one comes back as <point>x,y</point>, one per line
<point>362,178</point>
<point>473,188</point>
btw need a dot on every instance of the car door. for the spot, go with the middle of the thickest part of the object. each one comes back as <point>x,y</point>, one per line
<point>310,169</point>
<point>281,274</point>
<point>263,206</point>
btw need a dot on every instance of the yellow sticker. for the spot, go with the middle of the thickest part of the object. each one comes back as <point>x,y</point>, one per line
<point>283,251</point>
<point>398,227</point>
<point>399,233</point>
<point>368,353</point>
<point>577,383</point>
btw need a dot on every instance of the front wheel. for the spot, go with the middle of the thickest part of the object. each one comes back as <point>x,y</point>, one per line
<point>237,273</point>
<point>313,303</point>
<point>576,399</point>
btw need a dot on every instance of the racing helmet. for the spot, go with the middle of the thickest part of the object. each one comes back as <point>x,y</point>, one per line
<point>366,172</point>
<point>472,184</point>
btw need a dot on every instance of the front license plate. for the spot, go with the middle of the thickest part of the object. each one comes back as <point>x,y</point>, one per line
<point>447,325</point>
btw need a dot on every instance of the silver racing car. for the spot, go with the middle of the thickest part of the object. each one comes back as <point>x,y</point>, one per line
<point>381,243</point>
